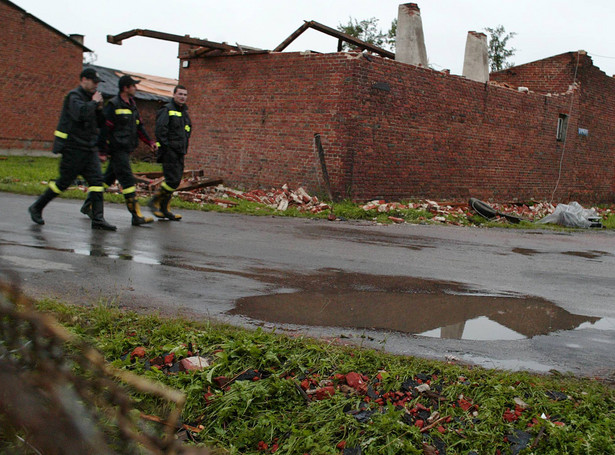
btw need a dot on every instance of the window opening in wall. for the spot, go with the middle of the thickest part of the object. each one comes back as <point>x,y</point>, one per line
<point>562,126</point>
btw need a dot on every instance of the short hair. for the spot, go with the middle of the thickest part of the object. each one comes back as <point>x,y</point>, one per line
<point>178,87</point>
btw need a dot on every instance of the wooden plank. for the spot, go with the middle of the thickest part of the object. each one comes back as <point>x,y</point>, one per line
<point>155,174</point>
<point>117,39</point>
<point>323,164</point>
<point>141,179</point>
<point>201,184</point>
<point>284,44</point>
<point>153,184</point>
<point>351,39</point>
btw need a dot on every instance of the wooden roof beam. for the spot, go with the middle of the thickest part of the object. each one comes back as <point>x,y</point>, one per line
<point>341,36</point>
<point>117,39</point>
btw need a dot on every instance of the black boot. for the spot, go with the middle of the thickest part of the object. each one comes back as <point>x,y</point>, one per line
<point>165,203</point>
<point>36,209</point>
<point>133,207</point>
<point>98,221</point>
<point>86,208</point>
<point>155,201</point>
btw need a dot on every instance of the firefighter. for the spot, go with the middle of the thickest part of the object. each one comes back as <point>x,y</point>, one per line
<point>172,133</point>
<point>76,139</point>
<point>122,131</point>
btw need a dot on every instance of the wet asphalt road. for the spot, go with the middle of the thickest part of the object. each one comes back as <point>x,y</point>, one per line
<point>515,299</point>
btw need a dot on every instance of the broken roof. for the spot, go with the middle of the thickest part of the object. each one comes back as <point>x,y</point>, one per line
<point>154,88</point>
<point>210,48</point>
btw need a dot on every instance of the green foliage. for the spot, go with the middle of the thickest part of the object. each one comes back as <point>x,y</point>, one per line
<point>367,30</point>
<point>392,35</point>
<point>497,51</point>
<point>239,416</point>
<point>609,222</point>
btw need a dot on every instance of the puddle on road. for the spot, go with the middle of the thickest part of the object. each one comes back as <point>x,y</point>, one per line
<point>334,298</point>
<point>408,305</point>
<point>94,250</point>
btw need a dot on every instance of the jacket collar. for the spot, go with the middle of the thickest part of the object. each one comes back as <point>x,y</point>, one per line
<point>178,107</point>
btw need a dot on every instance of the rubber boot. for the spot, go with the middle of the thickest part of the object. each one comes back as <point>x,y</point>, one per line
<point>36,209</point>
<point>98,221</point>
<point>133,207</point>
<point>165,203</point>
<point>86,208</point>
<point>154,203</point>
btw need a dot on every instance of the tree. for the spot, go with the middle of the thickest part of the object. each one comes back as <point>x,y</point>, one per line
<point>497,51</point>
<point>367,30</point>
<point>89,58</point>
<point>392,35</point>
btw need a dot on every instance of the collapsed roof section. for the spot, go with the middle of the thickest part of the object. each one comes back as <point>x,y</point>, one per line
<point>151,88</point>
<point>207,48</point>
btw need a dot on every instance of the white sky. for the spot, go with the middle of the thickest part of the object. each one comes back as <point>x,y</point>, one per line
<point>544,27</point>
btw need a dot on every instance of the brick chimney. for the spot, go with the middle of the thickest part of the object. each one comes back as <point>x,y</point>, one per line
<point>77,37</point>
<point>410,42</point>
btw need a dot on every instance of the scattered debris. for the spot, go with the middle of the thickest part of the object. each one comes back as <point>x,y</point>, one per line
<point>573,215</point>
<point>193,363</point>
<point>556,395</point>
<point>519,440</point>
<point>197,188</point>
<point>276,198</point>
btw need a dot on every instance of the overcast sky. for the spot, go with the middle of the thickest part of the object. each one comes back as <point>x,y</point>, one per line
<point>544,27</point>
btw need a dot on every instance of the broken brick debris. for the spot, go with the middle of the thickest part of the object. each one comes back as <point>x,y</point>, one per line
<point>275,198</point>
<point>198,188</point>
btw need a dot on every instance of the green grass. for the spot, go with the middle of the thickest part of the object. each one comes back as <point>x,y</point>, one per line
<point>270,411</point>
<point>23,175</point>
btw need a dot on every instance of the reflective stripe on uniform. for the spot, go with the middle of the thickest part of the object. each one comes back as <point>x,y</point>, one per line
<point>96,189</point>
<point>129,190</point>
<point>138,122</point>
<point>54,187</point>
<point>158,144</point>
<point>175,113</point>
<point>167,187</point>
<point>123,111</point>
<point>60,134</point>
<point>187,128</point>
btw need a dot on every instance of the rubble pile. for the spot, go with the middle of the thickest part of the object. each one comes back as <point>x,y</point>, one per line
<point>202,190</point>
<point>276,198</point>
<point>459,212</point>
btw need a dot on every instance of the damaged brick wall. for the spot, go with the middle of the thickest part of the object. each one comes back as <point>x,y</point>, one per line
<point>255,117</point>
<point>38,68</point>
<point>589,161</point>
<point>550,75</point>
<point>389,130</point>
<point>422,133</point>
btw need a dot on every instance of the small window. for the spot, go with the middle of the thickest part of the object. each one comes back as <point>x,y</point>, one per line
<point>562,126</point>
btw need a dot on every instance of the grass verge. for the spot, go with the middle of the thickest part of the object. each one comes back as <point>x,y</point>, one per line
<point>24,174</point>
<point>269,393</point>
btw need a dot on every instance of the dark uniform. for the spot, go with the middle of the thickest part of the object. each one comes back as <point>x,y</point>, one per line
<point>122,130</point>
<point>173,127</point>
<point>76,139</point>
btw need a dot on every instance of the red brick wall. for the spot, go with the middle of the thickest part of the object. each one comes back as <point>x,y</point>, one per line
<point>389,130</point>
<point>551,75</point>
<point>589,160</point>
<point>38,68</point>
<point>255,117</point>
<point>147,109</point>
